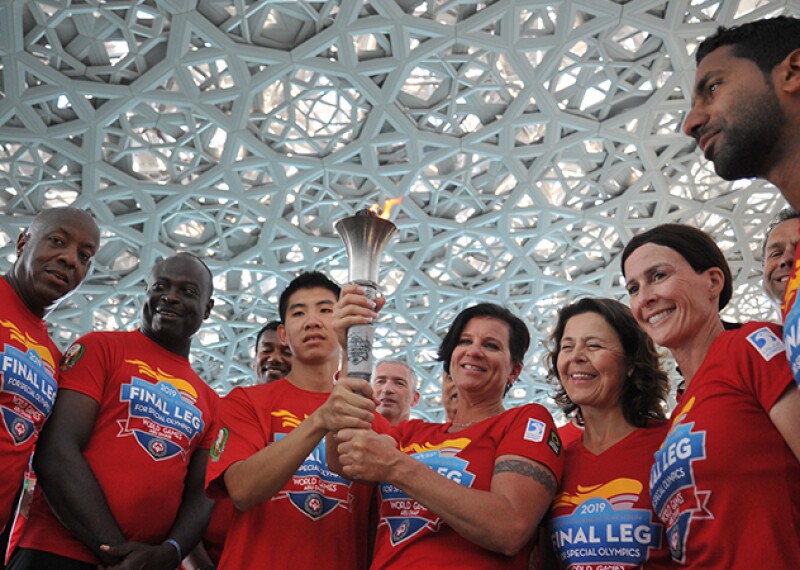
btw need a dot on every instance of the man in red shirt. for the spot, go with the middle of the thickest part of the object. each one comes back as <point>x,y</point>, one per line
<point>122,460</point>
<point>270,456</point>
<point>53,257</point>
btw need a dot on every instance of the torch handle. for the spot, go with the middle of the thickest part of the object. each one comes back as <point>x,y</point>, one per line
<point>360,339</point>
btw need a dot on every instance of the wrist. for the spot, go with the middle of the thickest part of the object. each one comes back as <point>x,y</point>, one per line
<point>178,552</point>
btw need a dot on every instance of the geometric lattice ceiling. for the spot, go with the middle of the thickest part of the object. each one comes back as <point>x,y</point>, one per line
<point>530,140</point>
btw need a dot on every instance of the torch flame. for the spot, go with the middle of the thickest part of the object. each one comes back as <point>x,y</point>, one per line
<point>388,205</point>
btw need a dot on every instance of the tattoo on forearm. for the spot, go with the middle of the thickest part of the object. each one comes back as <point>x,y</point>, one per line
<point>541,476</point>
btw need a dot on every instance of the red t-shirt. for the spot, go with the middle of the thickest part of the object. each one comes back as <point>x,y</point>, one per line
<point>724,482</point>
<point>155,412</point>
<point>318,520</point>
<point>28,386</point>
<point>218,525</point>
<point>409,535</point>
<point>602,516</point>
<point>569,432</point>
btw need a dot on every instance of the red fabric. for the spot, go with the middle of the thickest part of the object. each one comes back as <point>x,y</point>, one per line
<point>724,482</point>
<point>570,432</point>
<point>602,517</point>
<point>410,536</point>
<point>155,412</point>
<point>221,518</point>
<point>318,520</point>
<point>28,385</point>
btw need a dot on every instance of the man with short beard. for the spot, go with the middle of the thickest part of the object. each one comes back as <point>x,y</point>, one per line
<point>745,117</point>
<point>745,111</point>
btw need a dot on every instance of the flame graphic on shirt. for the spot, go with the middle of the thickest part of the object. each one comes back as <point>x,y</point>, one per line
<point>290,420</point>
<point>30,343</point>
<point>447,447</point>
<point>185,388</point>
<point>791,290</point>
<point>622,493</point>
<point>677,417</point>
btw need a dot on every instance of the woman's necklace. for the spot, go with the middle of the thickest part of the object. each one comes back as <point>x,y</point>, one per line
<point>454,424</point>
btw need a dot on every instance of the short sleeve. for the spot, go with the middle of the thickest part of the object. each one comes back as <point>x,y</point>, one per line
<point>531,433</point>
<point>764,368</point>
<point>240,434</point>
<point>86,364</point>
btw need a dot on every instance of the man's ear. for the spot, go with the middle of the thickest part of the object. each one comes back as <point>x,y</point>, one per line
<point>716,281</point>
<point>209,306</point>
<point>282,334</point>
<point>22,240</point>
<point>789,72</point>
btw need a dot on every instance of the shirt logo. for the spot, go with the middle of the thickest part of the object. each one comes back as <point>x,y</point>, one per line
<point>161,421</point>
<point>404,516</point>
<point>534,431</point>
<point>673,490</point>
<point>603,528</point>
<point>28,392</point>
<point>314,490</point>
<point>766,342</point>
<point>554,441</point>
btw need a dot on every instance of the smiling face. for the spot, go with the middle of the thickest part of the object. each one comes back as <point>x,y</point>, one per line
<point>591,362</point>
<point>308,326</point>
<point>177,301</point>
<point>481,363</point>
<point>668,298</point>
<point>273,357</point>
<point>395,390</point>
<point>53,257</point>
<point>778,257</point>
<point>736,117</point>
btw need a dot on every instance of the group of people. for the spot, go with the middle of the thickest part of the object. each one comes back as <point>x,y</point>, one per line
<point>311,468</point>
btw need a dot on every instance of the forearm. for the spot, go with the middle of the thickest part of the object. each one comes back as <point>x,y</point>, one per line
<point>195,510</point>
<point>262,475</point>
<point>77,500</point>
<point>489,519</point>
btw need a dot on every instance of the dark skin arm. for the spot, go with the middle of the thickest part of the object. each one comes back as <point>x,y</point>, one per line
<point>76,500</point>
<point>80,504</point>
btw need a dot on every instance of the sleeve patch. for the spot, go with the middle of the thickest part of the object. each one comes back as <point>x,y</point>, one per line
<point>72,356</point>
<point>534,431</point>
<point>554,441</point>
<point>766,342</point>
<point>219,445</point>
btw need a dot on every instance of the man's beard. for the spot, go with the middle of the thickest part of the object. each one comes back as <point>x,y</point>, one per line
<point>749,139</point>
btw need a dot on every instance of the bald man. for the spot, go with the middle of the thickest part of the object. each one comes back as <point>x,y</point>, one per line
<point>53,257</point>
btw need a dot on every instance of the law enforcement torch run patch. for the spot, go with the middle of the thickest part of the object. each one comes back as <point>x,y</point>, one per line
<point>219,445</point>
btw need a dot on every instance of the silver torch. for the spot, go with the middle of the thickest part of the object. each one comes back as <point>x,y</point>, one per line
<point>365,235</point>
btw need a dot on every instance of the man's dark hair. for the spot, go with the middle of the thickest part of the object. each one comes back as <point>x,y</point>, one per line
<point>699,250</point>
<point>270,326</point>
<point>782,216</point>
<point>518,336</point>
<point>766,42</point>
<point>307,280</point>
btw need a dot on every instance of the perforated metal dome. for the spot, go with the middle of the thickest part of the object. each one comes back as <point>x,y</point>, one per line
<point>530,140</point>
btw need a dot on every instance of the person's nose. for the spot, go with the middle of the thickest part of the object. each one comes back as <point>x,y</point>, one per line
<point>694,122</point>
<point>787,259</point>
<point>69,256</point>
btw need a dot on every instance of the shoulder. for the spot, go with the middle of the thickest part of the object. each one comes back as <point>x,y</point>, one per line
<point>758,338</point>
